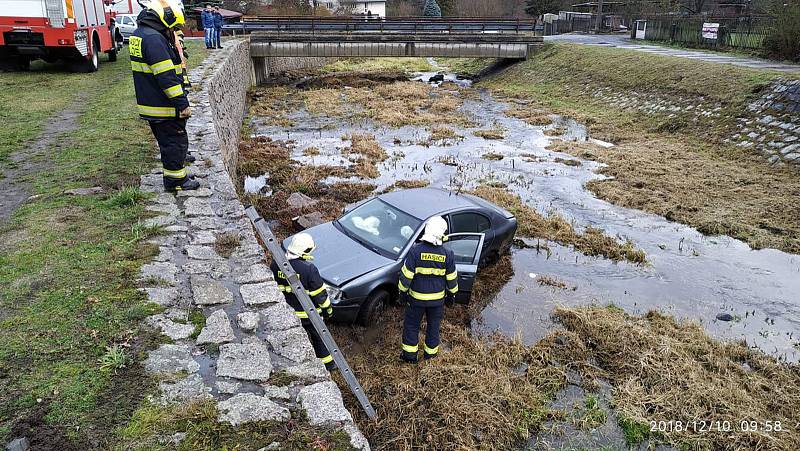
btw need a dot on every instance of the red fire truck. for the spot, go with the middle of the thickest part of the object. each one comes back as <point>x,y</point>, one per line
<point>73,30</point>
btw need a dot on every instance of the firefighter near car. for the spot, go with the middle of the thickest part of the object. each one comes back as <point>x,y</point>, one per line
<point>428,280</point>
<point>161,100</point>
<point>299,255</point>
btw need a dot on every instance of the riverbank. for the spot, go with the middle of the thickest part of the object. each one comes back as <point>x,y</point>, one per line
<point>339,140</point>
<point>681,131</point>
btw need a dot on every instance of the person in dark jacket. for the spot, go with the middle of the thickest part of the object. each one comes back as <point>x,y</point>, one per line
<point>219,21</point>
<point>428,279</point>
<point>299,255</point>
<point>207,20</point>
<point>160,97</point>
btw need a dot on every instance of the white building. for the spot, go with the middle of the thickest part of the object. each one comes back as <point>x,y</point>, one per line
<point>374,7</point>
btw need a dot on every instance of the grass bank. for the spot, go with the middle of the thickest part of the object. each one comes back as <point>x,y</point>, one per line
<point>69,307</point>
<point>679,166</point>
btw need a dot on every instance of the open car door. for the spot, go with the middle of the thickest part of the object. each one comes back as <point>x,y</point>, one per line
<point>467,249</point>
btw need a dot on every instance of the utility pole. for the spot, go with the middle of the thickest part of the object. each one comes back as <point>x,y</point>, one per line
<point>599,22</point>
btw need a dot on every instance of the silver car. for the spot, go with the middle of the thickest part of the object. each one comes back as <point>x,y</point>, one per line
<point>126,23</point>
<point>359,255</point>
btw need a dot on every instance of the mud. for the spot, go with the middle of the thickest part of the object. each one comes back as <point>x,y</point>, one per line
<point>15,180</point>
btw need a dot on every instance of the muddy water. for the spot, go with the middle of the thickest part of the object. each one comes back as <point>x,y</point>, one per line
<point>689,276</point>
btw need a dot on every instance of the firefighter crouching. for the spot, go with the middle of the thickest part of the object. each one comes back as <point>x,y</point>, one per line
<point>158,80</point>
<point>299,256</point>
<point>428,279</point>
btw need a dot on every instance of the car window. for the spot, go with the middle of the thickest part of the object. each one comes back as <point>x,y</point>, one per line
<point>129,20</point>
<point>381,226</point>
<point>469,223</point>
<point>464,248</point>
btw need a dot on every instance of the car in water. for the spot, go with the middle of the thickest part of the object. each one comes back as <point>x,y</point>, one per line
<point>360,254</point>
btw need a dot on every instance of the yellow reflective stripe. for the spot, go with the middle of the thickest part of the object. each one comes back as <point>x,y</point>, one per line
<point>140,67</point>
<point>402,287</point>
<point>303,314</point>
<point>453,290</point>
<point>452,276</point>
<point>409,348</point>
<point>156,111</point>
<point>407,272</point>
<point>431,351</point>
<point>174,91</point>
<point>326,359</point>
<point>285,288</point>
<point>426,296</point>
<point>316,292</point>
<point>431,271</point>
<point>179,174</point>
<point>162,66</point>
<point>326,304</point>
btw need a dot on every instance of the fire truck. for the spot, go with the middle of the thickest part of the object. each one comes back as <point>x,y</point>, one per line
<point>76,31</point>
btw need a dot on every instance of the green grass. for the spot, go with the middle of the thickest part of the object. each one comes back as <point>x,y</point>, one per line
<point>69,309</point>
<point>151,423</point>
<point>635,432</point>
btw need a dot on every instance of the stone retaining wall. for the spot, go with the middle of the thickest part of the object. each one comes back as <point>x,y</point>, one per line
<point>251,356</point>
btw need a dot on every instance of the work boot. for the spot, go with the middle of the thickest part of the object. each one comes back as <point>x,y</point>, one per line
<point>189,158</point>
<point>330,366</point>
<point>187,185</point>
<point>407,359</point>
<point>427,356</point>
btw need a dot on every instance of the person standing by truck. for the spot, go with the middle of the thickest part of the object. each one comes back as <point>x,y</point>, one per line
<point>219,21</point>
<point>160,97</point>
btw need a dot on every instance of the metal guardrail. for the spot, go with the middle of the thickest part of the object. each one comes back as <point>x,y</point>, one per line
<point>316,320</point>
<point>399,25</point>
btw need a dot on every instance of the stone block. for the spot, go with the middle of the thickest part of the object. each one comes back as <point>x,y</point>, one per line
<point>248,407</point>
<point>247,361</point>
<point>170,359</point>
<point>261,293</point>
<point>207,291</point>
<point>184,390</point>
<point>217,329</point>
<point>323,404</point>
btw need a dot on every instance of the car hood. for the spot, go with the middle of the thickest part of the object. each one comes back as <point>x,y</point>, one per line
<point>339,258</point>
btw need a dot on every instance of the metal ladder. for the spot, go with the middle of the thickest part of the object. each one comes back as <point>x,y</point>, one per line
<point>316,320</point>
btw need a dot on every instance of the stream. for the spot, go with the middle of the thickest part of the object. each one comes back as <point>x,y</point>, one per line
<point>689,275</point>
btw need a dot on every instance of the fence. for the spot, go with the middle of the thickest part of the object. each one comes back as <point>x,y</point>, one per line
<point>574,23</point>
<point>740,33</point>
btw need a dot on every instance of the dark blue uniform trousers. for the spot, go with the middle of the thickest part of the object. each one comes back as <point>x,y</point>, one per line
<point>413,318</point>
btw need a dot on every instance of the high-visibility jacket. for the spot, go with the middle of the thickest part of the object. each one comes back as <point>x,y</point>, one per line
<point>428,274</point>
<point>312,282</point>
<point>157,74</point>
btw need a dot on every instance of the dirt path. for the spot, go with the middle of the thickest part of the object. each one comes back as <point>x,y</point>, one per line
<point>35,158</point>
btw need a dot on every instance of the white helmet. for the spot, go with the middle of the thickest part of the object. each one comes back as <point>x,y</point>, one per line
<point>435,231</point>
<point>301,246</point>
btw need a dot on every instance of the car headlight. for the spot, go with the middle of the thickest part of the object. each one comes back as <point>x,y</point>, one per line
<point>334,294</point>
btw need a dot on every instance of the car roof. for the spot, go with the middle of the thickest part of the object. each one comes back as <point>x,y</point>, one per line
<point>426,202</point>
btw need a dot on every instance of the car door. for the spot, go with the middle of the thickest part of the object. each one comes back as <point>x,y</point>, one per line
<point>472,222</point>
<point>466,248</point>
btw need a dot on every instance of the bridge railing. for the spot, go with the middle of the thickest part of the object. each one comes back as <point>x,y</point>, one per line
<point>403,25</point>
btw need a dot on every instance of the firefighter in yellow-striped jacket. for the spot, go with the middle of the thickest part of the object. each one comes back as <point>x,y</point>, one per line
<point>428,279</point>
<point>299,255</point>
<point>160,97</point>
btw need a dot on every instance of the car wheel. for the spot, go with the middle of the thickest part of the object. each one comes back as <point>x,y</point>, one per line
<point>373,307</point>
<point>92,61</point>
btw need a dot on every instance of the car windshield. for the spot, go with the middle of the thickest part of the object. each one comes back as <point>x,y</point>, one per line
<point>380,227</point>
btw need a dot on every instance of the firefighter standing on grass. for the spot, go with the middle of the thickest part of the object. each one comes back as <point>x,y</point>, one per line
<point>299,255</point>
<point>158,80</point>
<point>428,279</point>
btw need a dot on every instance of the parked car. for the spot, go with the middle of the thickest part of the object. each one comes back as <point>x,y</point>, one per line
<point>360,254</point>
<point>126,24</point>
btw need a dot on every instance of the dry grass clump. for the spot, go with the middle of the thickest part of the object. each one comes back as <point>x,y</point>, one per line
<point>496,132</point>
<point>725,193</point>
<point>478,394</point>
<point>568,161</point>
<point>311,151</point>
<point>226,243</point>
<point>663,370</point>
<point>556,131</point>
<point>261,154</point>
<point>551,281</point>
<point>324,102</point>
<point>370,154</point>
<point>592,242</point>
<point>531,116</point>
<point>406,103</point>
<point>272,103</point>
<point>442,133</point>
<point>406,184</point>
<point>492,156</point>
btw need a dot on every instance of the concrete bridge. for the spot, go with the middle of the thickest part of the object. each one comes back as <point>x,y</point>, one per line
<point>400,37</point>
